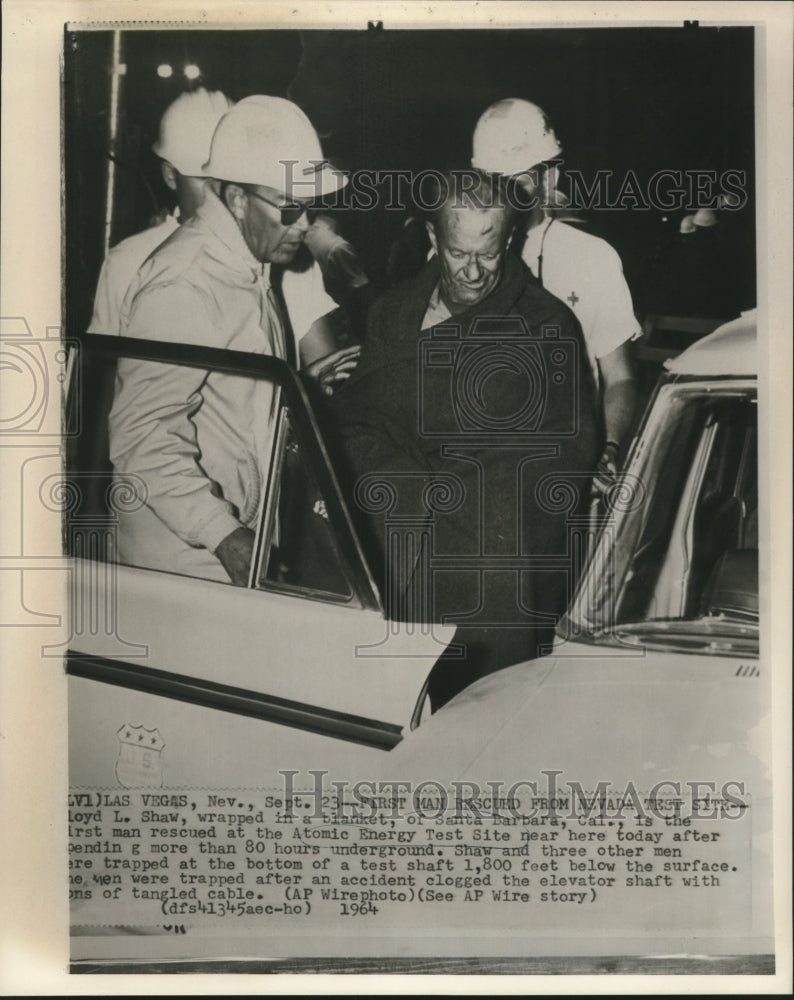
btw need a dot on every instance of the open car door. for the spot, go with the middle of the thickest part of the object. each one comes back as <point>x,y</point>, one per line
<point>178,680</point>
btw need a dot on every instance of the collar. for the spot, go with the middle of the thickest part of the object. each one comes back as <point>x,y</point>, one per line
<point>419,291</point>
<point>436,311</point>
<point>498,303</point>
<point>214,217</point>
<point>406,306</point>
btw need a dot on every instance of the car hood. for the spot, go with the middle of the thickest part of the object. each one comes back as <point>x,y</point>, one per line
<point>601,714</point>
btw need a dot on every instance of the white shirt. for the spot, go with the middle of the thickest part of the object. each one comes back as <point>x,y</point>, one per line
<point>306,300</point>
<point>585,273</point>
<point>304,292</point>
<point>118,270</point>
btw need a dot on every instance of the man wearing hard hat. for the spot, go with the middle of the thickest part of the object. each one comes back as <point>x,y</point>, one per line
<point>200,441</point>
<point>183,144</point>
<point>514,138</point>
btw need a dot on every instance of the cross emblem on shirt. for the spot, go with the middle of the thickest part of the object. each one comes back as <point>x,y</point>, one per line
<point>573,298</point>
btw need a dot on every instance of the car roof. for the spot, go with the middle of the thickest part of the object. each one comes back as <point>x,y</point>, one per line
<point>729,350</point>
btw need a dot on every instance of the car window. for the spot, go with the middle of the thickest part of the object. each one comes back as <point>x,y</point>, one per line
<point>682,557</point>
<point>289,496</point>
<point>300,551</point>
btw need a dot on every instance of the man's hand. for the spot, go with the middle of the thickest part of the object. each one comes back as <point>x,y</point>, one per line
<point>620,403</point>
<point>334,368</point>
<point>607,469</point>
<point>235,552</point>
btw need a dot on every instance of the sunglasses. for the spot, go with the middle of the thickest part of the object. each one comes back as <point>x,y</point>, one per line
<point>290,211</point>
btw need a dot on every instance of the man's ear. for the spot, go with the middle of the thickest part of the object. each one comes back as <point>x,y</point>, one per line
<point>431,232</point>
<point>169,173</point>
<point>235,199</point>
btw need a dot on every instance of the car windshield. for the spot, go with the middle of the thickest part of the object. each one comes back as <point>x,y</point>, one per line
<point>676,563</point>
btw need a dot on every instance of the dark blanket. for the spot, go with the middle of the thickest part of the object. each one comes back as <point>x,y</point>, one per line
<point>470,445</point>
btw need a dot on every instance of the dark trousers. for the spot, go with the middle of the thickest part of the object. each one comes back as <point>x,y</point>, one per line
<point>486,651</point>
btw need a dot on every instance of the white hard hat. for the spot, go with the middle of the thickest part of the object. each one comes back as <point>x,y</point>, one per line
<point>705,218</point>
<point>270,141</point>
<point>513,136</point>
<point>186,129</point>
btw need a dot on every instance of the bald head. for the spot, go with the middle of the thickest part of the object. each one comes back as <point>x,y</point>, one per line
<point>452,221</point>
<point>470,233</point>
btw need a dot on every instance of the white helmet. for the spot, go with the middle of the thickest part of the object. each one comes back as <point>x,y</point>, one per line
<point>186,129</point>
<point>270,141</point>
<point>511,137</point>
<point>705,218</point>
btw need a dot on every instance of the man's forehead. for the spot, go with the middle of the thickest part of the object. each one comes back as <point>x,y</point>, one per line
<point>460,219</point>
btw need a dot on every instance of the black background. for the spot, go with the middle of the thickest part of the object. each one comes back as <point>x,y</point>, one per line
<point>643,99</point>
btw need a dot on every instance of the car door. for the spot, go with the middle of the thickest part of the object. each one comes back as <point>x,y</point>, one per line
<point>223,683</point>
<point>659,691</point>
<point>662,634</point>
